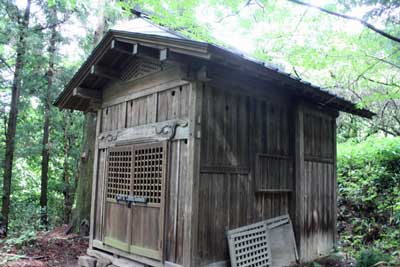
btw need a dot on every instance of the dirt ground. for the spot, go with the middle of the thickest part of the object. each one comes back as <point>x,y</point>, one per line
<point>48,249</point>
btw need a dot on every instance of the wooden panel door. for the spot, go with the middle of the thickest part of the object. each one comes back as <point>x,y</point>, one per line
<point>135,198</point>
<point>117,212</point>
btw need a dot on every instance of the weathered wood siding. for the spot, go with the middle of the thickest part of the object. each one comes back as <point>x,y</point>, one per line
<point>248,171</point>
<point>246,165</point>
<point>319,205</point>
<point>273,157</point>
<point>157,98</point>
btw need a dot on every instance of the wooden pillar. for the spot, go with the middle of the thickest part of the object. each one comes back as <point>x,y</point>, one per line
<point>334,204</point>
<point>94,181</point>
<point>192,182</point>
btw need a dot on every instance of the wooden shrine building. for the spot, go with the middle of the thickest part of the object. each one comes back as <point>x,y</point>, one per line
<point>194,140</point>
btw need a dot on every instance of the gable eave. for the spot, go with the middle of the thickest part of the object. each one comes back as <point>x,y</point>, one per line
<point>214,54</point>
<point>181,46</point>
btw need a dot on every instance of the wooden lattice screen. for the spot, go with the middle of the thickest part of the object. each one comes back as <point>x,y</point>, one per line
<point>148,172</point>
<point>249,246</point>
<point>119,172</point>
<point>137,172</point>
<point>138,68</point>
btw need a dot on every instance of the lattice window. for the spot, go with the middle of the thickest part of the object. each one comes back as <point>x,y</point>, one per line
<point>119,171</point>
<point>139,68</point>
<point>249,246</point>
<point>148,172</point>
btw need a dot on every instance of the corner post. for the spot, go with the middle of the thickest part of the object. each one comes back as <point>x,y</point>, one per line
<point>334,208</point>
<point>192,183</point>
<point>94,180</point>
<point>298,185</point>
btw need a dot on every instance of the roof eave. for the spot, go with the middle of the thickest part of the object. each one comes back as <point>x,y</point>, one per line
<point>183,46</point>
<point>211,53</point>
<point>336,102</point>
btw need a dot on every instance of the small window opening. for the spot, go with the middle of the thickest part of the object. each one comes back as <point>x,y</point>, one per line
<point>173,93</point>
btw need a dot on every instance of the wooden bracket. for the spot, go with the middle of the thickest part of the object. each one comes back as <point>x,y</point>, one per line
<point>135,49</point>
<point>124,48</point>
<point>104,72</point>
<point>87,93</point>
<point>203,74</point>
<point>164,54</point>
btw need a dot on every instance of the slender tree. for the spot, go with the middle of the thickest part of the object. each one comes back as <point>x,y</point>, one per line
<point>84,188</point>
<point>23,22</point>
<point>47,111</point>
<point>68,189</point>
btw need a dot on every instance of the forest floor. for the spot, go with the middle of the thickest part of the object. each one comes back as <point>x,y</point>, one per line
<point>46,249</point>
<point>330,261</point>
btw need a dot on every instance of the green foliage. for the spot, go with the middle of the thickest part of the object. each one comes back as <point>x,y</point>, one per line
<point>24,238</point>
<point>343,57</point>
<point>24,209</point>
<point>369,194</point>
<point>369,258</point>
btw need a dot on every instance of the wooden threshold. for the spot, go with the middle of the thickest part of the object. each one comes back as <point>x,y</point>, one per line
<point>100,248</point>
<point>150,253</point>
<point>116,243</point>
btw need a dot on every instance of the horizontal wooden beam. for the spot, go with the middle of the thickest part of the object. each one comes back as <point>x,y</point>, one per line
<point>159,131</point>
<point>124,48</point>
<point>201,74</point>
<point>87,93</point>
<point>104,72</point>
<point>135,49</point>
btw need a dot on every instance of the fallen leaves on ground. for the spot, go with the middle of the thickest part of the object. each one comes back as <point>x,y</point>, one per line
<point>52,248</point>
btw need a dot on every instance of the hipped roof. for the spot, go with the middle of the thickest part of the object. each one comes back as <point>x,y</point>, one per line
<point>144,33</point>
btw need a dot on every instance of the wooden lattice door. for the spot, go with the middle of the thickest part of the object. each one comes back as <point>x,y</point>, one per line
<point>135,200</point>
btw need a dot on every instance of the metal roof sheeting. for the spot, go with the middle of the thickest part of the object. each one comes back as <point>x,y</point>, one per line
<point>143,29</point>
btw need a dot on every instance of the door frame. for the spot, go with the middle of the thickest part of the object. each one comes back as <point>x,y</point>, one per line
<point>129,247</point>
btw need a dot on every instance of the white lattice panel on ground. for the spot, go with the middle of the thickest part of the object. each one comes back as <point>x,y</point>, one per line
<point>249,246</point>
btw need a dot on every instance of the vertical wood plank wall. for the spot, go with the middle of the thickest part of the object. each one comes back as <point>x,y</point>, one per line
<point>247,165</point>
<point>319,205</point>
<point>242,137</point>
<point>156,106</point>
<point>247,169</point>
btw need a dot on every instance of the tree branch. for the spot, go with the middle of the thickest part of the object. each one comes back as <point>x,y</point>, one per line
<point>236,12</point>
<point>385,61</point>
<point>50,26</point>
<point>379,82</point>
<point>6,64</point>
<point>296,73</point>
<point>363,22</point>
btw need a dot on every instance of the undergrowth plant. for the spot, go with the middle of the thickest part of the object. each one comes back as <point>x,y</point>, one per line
<point>369,197</point>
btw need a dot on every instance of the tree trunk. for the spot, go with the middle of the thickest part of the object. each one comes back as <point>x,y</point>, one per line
<point>46,125</point>
<point>12,119</point>
<point>84,187</point>
<point>68,199</point>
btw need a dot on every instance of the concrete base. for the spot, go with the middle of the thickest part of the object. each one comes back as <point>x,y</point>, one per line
<point>107,260</point>
<point>87,261</point>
